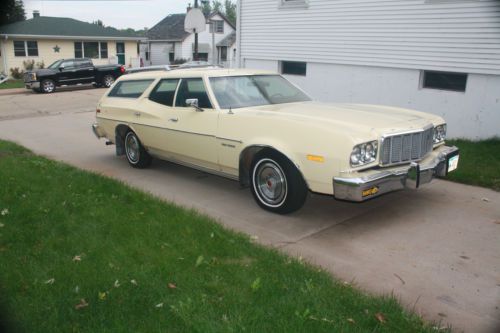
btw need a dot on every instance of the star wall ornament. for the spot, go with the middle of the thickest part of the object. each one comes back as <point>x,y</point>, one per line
<point>56,49</point>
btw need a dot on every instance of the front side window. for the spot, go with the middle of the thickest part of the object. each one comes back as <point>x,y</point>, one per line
<point>245,91</point>
<point>164,92</point>
<point>68,64</point>
<point>192,88</point>
<point>130,88</point>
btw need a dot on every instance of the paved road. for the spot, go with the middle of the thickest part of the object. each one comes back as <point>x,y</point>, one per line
<point>437,248</point>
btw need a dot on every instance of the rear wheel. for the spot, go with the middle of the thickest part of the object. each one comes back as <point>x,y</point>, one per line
<point>137,156</point>
<point>48,86</point>
<point>108,81</point>
<point>277,185</point>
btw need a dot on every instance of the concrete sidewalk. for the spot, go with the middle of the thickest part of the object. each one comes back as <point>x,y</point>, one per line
<point>437,249</point>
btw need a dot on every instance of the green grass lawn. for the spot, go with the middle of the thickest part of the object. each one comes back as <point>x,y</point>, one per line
<point>84,253</point>
<point>10,84</point>
<point>479,163</point>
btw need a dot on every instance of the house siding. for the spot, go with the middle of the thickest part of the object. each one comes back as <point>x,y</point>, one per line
<point>374,52</point>
<point>459,36</point>
<point>47,54</point>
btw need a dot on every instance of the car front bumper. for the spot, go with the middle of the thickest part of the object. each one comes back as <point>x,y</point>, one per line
<point>32,85</point>
<point>361,186</point>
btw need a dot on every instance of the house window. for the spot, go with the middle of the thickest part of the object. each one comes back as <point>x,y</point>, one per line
<point>171,57</point>
<point>219,26</point>
<point>444,81</point>
<point>294,68</point>
<point>201,56</point>
<point>23,48</point>
<point>94,50</point>
<point>104,50</point>
<point>147,55</point>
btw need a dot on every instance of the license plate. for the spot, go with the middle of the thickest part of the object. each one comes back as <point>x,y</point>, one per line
<point>453,163</point>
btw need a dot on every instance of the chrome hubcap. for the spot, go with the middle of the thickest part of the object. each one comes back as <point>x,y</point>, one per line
<point>132,148</point>
<point>270,183</point>
<point>48,86</point>
<point>108,81</point>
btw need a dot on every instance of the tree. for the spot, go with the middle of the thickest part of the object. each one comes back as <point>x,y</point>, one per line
<point>206,8</point>
<point>230,11</point>
<point>12,11</point>
<point>217,6</point>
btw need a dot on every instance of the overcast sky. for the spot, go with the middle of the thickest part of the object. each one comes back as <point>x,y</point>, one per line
<point>120,14</point>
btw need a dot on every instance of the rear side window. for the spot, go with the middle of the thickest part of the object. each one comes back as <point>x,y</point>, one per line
<point>164,92</point>
<point>129,88</point>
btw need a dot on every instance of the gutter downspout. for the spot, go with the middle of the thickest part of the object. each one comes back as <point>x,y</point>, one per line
<point>238,34</point>
<point>4,57</point>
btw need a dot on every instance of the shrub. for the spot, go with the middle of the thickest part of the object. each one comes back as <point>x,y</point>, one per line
<point>16,73</point>
<point>29,64</point>
<point>179,61</point>
<point>40,64</point>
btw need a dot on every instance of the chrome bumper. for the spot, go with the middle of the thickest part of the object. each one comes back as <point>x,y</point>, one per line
<point>360,187</point>
<point>32,85</point>
<point>97,130</point>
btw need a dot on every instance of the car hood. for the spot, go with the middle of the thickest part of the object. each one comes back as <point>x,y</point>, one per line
<point>350,117</point>
<point>43,71</point>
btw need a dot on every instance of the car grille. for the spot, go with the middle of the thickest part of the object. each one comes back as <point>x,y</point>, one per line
<point>406,147</point>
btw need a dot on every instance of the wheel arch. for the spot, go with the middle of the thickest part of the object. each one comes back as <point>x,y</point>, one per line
<point>121,131</point>
<point>247,157</point>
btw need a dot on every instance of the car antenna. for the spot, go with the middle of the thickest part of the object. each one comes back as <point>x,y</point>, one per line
<point>230,110</point>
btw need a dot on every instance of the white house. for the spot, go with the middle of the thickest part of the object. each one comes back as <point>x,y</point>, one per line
<point>168,42</point>
<point>439,56</point>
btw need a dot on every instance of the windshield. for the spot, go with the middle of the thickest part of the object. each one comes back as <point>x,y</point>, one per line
<point>55,64</point>
<point>244,91</point>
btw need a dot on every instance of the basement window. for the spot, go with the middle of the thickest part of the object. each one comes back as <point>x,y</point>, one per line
<point>293,68</point>
<point>444,81</point>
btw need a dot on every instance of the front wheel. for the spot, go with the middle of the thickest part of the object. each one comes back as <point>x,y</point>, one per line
<point>48,86</point>
<point>277,185</point>
<point>108,81</point>
<point>137,156</point>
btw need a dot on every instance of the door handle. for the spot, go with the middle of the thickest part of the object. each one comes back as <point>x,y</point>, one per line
<point>137,114</point>
<point>174,120</point>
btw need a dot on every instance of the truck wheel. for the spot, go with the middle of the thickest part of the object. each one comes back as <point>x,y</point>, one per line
<point>137,156</point>
<point>277,185</point>
<point>108,80</point>
<point>48,86</point>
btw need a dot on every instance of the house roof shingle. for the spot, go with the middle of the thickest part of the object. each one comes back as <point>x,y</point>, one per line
<point>228,40</point>
<point>62,26</point>
<point>170,28</point>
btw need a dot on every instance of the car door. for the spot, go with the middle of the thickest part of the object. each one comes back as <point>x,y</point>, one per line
<point>67,72</point>
<point>180,131</point>
<point>84,71</point>
<point>194,129</point>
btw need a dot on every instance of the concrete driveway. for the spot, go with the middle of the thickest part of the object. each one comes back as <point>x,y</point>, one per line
<point>437,249</point>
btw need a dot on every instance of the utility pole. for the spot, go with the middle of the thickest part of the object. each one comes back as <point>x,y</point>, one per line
<point>196,58</point>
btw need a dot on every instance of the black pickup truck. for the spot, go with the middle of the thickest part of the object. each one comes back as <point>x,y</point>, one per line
<point>67,72</point>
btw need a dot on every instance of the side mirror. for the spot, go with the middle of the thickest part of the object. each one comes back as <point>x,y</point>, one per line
<point>61,67</point>
<point>194,103</point>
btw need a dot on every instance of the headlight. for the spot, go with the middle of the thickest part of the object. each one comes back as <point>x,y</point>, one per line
<point>364,153</point>
<point>439,133</point>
